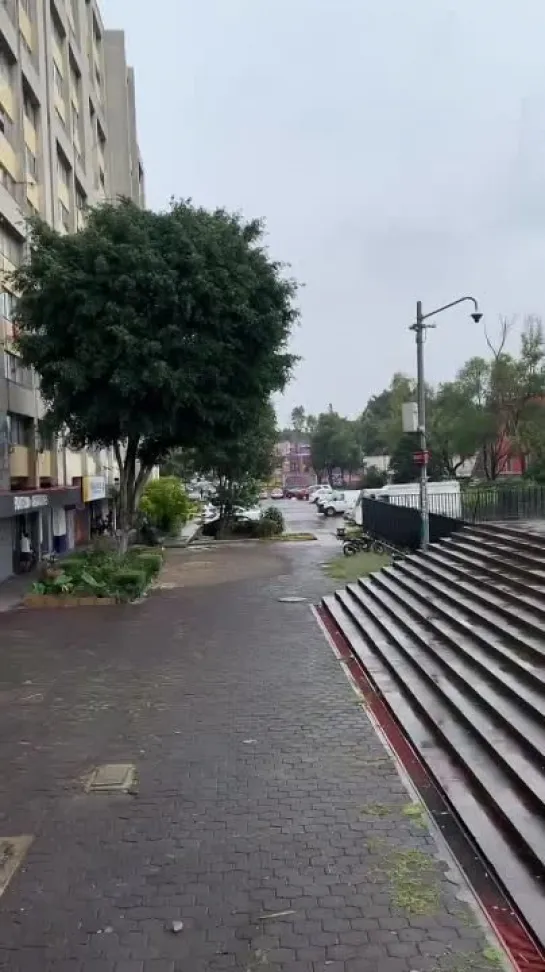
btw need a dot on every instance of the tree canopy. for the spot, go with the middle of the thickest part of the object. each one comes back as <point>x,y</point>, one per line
<point>154,330</point>
<point>334,445</point>
<point>493,409</point>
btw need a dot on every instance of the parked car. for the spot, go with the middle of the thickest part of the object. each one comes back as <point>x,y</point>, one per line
<point>210,513</point>
<point>277,493</point>
<point>264,494</point>
<point>319,493</point>
<point>296,492</point>
<point>339,502</point>
<point>251,514</point>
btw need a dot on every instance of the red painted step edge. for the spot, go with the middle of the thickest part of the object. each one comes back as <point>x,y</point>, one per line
<point>523,950</point>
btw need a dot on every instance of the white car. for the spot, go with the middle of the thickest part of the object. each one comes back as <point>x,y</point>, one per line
<point>339,502</point>
<point>210,513</point>
<point>250,514</point>
<point>320,493</point>
<point>277,493</point>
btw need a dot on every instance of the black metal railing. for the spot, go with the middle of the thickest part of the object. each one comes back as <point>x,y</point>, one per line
<point>400,525</point>
<point>398,520</point>
<point>481,504</point>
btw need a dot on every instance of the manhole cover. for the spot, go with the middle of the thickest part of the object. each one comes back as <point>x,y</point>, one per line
<point>112,778</point>
<point>291,600</point>
<point>12,852</point>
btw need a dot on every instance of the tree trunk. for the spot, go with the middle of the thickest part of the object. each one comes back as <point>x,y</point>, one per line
<point>127,492</point>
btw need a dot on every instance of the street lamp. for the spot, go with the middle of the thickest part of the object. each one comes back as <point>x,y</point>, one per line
<point>419,327</point>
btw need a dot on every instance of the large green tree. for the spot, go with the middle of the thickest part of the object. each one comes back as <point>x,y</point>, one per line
<point>334,445</point>
<point>152,331</point>
<point>379,425</point>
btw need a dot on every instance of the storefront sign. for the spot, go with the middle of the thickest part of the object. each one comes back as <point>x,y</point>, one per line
<point>12,504</point>
<point>93,488</point>
<point>21,504</point>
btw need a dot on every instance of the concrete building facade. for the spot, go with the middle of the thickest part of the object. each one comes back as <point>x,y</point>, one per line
<point>125,168</point>
<point>55,160</point>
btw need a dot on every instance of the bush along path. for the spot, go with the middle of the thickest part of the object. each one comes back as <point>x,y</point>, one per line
<point>97,576</point>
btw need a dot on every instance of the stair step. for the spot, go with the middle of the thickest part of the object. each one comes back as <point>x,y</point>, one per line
<point>514,533</point>
<point>506,550</point>
<point>480,614</point>
<point>533,543</point>
<point>418,709</point>
<point>442,567</point>
<point>512,573</point>
<point>482,573</point>
<point>501,559</point>
<point>453,722</point>
<point>494,708</point>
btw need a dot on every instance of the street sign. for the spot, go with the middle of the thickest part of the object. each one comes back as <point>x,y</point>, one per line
<point>421,458</point>
<point>409,417</point>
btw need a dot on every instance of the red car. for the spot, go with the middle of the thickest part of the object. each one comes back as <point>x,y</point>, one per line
<point>296,492</point>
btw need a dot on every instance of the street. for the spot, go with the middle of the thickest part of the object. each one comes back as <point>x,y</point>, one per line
<point>266,819</point>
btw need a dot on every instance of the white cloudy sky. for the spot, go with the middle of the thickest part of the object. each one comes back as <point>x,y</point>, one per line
<point>396,149</point>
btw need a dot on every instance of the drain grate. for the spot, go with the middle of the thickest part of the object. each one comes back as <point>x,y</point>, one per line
<point>12,853</point>
<point>112,778</point>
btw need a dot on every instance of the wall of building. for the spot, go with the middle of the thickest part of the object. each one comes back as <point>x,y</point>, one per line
<point>55,160</point>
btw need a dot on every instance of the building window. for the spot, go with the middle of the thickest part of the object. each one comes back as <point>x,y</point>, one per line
<point>62,172</point>
<point>6,124</point>
<point>5,69</point>
<point>16,371</point>
<point>58,81</point>
<point>7,180</point>
<point>31,163</point>
<point>64,216</point>
<point>7,305</point>
<point>20,430</point>
<point>29,109</point>
<point>44,441</point>
<point>10,248</point>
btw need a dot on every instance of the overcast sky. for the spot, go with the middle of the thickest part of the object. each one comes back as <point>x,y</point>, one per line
<point>396,149</point>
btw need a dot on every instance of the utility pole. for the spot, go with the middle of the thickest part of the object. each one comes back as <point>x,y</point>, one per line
<point>419,327</point>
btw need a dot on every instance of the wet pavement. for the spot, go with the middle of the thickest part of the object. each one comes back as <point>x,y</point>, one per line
<point>267,826</point>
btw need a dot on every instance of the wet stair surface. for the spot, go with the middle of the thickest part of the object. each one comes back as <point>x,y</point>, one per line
<point>454,639</point>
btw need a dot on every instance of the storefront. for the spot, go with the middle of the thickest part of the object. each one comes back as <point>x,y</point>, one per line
<point>94,494</point>
<point>39,513</point>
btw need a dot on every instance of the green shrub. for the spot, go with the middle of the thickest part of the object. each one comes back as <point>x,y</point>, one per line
<point>243,528</point>
<point>165,504</point>
<point>266,527</point>
<point>150,563</point>
<point>129,582</point>
<point>273,515</point>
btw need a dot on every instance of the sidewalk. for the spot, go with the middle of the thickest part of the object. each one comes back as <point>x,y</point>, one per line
<point>13,590</point>
<point>267,817</point>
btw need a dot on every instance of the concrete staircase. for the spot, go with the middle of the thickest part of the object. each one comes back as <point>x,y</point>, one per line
<point>454,639</point>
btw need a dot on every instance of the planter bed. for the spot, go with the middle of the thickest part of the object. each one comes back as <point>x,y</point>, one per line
<point>65,601</point>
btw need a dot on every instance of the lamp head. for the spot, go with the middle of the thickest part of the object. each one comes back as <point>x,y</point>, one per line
<point>477,316</point>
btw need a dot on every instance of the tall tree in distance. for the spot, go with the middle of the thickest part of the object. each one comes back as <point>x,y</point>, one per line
<point>152,331</point>
<point>334,445</point>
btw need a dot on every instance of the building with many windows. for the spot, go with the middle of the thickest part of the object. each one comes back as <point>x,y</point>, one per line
<point>57,106</point>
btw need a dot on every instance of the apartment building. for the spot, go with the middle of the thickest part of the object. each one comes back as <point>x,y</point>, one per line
<point>55,159</point>
<point>124,162</point>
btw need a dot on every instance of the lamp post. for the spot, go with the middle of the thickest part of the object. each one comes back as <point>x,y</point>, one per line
<point>419,327</point>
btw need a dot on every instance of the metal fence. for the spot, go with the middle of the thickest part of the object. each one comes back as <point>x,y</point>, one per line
<point>398,520</point>
<point>400,525</point>
<point>481,504</point>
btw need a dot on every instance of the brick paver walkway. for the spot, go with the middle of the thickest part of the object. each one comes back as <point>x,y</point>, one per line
<point>268,818</point>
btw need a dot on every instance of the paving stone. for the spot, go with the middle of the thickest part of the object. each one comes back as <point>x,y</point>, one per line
<point>222,830</point>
